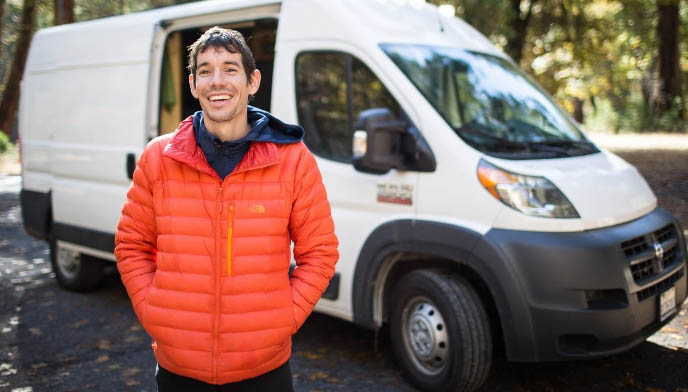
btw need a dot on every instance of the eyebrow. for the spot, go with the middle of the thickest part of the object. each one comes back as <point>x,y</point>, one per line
<point>225,63</point>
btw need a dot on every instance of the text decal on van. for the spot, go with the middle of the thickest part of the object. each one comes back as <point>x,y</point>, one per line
<point>395,193</point>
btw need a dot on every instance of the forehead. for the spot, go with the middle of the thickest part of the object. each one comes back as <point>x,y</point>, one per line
<point>218,55</point>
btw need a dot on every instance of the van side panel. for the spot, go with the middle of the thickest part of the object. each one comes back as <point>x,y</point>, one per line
<point>38,108</point>
<point>85,111</point>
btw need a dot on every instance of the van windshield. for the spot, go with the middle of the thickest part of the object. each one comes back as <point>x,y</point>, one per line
<point>490,103</point>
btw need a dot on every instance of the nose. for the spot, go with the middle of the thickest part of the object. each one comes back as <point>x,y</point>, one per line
<point>217,79</point>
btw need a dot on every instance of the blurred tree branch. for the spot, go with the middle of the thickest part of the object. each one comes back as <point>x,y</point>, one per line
<point>668,51</point>
<point>63,12</point>
<point>2,19</point>
<point>10,97</point>
<point>519,26</point>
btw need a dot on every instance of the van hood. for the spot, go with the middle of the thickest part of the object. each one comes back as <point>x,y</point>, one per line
<point>604,189</point>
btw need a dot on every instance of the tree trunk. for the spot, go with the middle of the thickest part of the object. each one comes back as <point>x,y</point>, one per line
<point>578,110</point>
<point>519,25</point>
<point>2,18</point>
<point>669,75</point>
<point>64,12</point>
<point>10,97</point>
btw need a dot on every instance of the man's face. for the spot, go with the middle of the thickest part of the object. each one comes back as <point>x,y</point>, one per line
<point>221,86</point>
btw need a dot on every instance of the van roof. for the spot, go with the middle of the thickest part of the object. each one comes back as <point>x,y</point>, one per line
<point>128,38</point>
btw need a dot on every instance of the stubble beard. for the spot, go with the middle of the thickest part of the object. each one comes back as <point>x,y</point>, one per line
<point>220,116</point>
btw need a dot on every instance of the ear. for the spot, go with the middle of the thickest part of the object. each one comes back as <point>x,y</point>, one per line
<point>192,85</point>
<point>254,82</point>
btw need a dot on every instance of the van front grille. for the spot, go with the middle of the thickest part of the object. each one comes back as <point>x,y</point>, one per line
<point>660,287</point>
<point>650,254</point>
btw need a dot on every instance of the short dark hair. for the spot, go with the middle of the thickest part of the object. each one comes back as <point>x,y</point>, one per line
<point>217,37</point>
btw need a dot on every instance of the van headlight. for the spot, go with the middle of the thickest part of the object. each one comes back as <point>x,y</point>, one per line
<point>531,195</point>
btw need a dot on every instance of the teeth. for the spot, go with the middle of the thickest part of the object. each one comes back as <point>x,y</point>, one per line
<point>219,97</point>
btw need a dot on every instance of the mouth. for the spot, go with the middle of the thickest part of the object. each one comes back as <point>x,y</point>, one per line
<point>219,97</point>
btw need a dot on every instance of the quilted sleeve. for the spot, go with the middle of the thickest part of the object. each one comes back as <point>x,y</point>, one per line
<point>315,244</point>
<point>135,240</point>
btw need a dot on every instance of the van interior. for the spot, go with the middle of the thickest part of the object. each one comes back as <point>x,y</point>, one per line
<point>176,101</point>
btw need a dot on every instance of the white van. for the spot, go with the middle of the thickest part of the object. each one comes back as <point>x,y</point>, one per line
<point>473,214</point>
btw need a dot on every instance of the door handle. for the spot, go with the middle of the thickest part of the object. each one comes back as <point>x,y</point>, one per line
<point>131,165</point>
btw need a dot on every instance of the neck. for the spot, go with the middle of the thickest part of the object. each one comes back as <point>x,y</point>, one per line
<point>228,131</point>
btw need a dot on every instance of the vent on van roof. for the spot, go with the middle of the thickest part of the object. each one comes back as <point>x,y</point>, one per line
<point>650,254</point>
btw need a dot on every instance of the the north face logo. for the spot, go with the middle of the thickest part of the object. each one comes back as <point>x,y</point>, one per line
<point>256,209</point>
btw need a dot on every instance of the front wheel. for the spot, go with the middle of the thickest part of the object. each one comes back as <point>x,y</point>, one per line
<point>440,332</point>
<point>75,271</point>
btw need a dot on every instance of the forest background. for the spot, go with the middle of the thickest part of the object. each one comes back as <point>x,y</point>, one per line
<point>616,66</point>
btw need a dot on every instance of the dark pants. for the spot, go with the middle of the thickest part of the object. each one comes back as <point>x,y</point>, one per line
<point>278,380</point>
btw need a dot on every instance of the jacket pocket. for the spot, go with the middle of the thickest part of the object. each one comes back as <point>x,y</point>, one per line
<point>144,308</point>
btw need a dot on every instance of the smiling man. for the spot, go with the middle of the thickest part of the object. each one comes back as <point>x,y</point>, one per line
<point>203,243</point>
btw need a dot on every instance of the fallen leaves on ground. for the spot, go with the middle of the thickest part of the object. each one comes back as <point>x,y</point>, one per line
<point>132,339</point>
<point>127,374</point>
<point>310,355</point>
<point>104,344</point>
<point>324,376</point>
<point>79,324</point>
<point>131,372</point>
<point>6,369</point>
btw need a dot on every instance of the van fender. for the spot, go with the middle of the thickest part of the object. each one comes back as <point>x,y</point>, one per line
<point>462,246</point>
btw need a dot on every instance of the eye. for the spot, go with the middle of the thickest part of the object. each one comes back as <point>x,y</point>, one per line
<point>203,72</point>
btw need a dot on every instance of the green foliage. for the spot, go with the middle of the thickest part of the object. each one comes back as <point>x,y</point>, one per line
<point>84,10</point>
<point>634,116</point>
<point>94,9</point>
<point>5,143</point>
<point>603,51</point>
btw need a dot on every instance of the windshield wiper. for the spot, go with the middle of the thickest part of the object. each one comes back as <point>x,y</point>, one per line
<point>552,148</point>
<point>495,143</point>
<point>564,146</point>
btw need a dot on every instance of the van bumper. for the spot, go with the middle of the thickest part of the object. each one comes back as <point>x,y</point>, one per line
<point>588,294</point>
<point>35,207</point>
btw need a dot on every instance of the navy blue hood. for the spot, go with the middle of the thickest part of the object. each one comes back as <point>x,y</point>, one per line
<point>264,128</point>
<point>267,128</point>
<point>224,156</point>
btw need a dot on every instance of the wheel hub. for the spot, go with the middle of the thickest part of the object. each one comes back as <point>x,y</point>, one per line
<point>426,335</point>
<point>422,338</point>
<point>68,261</point>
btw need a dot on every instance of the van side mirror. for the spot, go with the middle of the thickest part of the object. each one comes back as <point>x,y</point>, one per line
<point>377,138</point>
<point>381,143</point>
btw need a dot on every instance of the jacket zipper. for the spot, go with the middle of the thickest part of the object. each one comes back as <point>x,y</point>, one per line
<point>218,251</point>
<point>229,239</point>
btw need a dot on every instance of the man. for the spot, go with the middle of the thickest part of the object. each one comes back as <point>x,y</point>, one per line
<point>203,243</point>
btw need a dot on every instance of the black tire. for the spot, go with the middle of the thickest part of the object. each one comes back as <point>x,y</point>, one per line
<point>75,271</point>
<point>440,332</point>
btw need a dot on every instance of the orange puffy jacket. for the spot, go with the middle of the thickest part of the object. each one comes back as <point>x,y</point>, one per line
<point>206,261</point>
